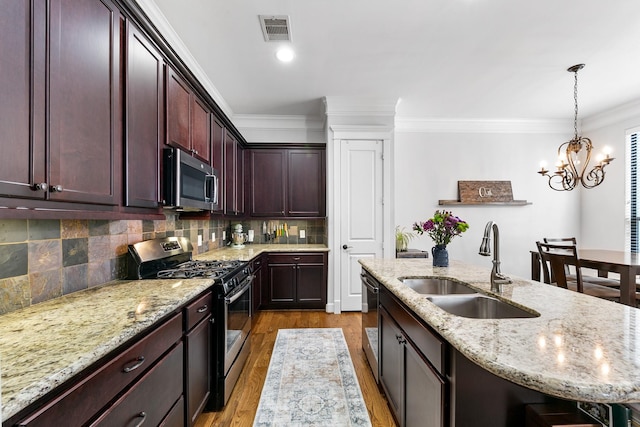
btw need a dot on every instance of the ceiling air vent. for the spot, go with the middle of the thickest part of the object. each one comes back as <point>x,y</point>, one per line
<point>275,28</point>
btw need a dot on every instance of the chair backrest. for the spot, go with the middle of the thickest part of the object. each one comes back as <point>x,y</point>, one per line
<point>559,257</point>
<point>560,240</point>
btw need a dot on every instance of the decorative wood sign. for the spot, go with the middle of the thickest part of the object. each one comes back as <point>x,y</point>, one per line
<point>484,191</point>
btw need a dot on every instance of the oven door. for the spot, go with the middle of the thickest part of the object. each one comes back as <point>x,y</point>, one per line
<point>237,318</point>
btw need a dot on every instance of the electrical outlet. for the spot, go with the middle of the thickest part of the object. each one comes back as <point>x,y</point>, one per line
<point>224,235</point>
<point>199,239</point>
<point>250,235</point>
<point>303,234</point>
<point>213,237</point>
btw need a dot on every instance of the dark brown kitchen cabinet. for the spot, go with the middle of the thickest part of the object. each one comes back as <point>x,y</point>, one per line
<point>150,399</point>
<point>217,157</point>
<point>198,356</point>
<point>22,91</point>
<point>144,98</point>
<point>287,182</point>
<point>233,175</point>
<point>187,118</point>
<point>296,280</point>
<point>66,144</point>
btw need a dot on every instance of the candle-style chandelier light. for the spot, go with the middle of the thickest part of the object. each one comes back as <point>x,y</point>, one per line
<point>573,161</point>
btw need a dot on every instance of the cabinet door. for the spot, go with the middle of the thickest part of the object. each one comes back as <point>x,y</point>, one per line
<point>198,356</point>
<point>232,156</point>
<point>267,187</point>
<point>392,363</point>
<point>144,121</point>
<point>217,157</point>
<point>306,183</point>
<point>84,101</point>
<point>200,144</point>
<point>22,84</point>
<point>178,111</point>
<point>282,281</point>
<point>311,284</point>
<point>424,392</point>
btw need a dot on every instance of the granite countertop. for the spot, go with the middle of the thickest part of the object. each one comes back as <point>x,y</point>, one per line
<point>46,344</point>
<point>250,251</point>
<point>580,347</point>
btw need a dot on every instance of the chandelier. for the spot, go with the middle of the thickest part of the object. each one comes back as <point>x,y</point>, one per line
<point>573,161</point>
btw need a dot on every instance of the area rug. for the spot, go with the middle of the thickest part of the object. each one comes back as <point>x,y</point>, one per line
<point>311,382</point>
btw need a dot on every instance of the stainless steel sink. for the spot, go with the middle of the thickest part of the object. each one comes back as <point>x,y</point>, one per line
<point>479,307</point>
<point>436,285</point>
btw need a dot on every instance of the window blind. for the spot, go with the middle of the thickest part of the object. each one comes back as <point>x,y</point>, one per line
<point>634,194</point>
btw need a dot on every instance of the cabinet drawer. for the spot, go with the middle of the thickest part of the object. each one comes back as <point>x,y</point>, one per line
<point>296,258</point>
<point>198,310</point>
<point>163,382</point>
<point>75,408</point>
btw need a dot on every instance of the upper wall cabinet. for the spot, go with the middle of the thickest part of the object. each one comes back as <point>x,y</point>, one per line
<point>233,175</point>
<point>66,143</point>
<point>144,124</point>
<point>187,118</point>
<point>287,182</point>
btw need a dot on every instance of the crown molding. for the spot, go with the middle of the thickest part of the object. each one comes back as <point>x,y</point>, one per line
<point>163,26</point>
<point>630,110</point>
<point>359,106</point>
<point>424,125</point>
<point>278,128</point>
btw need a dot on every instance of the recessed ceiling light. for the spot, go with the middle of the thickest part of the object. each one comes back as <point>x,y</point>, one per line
<point>285,54</point>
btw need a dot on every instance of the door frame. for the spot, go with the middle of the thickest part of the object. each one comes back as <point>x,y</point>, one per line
<point>337,134</point>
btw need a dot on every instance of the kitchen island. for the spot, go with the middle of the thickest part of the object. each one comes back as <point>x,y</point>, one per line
<point>579,348</point>
<point>44,346</point>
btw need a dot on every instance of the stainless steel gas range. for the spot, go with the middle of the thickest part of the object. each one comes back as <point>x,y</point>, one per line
<point>171,258</point>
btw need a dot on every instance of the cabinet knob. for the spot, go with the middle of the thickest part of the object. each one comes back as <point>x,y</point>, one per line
<point>42,186</point>
<point>56,188</point>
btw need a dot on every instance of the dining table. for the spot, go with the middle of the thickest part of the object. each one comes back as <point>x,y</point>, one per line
<point>625,263</point>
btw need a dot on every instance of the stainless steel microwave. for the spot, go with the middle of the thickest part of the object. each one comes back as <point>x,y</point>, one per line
<point>189,184</point>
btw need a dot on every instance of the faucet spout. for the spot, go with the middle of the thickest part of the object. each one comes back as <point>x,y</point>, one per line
<point>497,278</point>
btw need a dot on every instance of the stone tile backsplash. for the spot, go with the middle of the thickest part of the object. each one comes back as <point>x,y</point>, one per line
<point>45,259</point>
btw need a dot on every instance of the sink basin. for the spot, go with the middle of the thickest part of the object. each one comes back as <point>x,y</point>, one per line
<point>479,307</point>
<point>436,286</point>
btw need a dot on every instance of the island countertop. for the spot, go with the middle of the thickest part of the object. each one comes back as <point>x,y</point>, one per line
<point>580,347</point>
<point>46,344</point>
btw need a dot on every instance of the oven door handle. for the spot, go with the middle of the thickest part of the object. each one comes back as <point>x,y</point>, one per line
<point>246,284</point>
<point>368,284</point>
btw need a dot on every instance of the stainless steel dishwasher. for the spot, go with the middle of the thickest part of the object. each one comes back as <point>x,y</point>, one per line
<point>370,330</point>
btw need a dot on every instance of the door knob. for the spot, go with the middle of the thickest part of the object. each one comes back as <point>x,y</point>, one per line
<point>345,247</point>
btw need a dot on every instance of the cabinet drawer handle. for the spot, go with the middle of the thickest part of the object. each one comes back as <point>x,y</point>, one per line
<point>142,415</point>
<point>296,258</point>
<point>138,362</point>
<point>203,308</point>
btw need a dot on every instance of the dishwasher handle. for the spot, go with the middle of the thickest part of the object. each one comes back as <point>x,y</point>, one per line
<point>367,282</point>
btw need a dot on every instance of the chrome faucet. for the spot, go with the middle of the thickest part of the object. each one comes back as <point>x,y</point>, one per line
<point>497,278</point>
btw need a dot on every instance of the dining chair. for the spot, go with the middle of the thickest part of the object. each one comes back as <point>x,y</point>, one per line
<point>596,280</point>
<point>557,258</point>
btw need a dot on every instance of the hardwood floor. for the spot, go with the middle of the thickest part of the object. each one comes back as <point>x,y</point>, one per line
<point>243,403</point>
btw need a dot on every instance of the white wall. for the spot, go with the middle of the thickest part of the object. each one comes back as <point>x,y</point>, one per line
<point>603,208</point>
<point>429,165</point>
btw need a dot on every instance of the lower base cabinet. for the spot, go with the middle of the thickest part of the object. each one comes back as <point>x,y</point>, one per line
<point>295,281</point>
<point>150,400</point>
<point>415,391</point>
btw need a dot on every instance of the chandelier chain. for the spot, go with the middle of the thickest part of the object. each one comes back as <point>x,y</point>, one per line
<point>575,101</point>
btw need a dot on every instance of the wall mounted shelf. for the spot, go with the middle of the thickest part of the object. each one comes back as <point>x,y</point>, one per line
<point>511,203</point>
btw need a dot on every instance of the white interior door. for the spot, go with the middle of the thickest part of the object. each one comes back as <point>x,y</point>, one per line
<point>361,222</point>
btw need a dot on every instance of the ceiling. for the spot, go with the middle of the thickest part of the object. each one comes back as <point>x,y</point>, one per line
<point>444,59</point>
